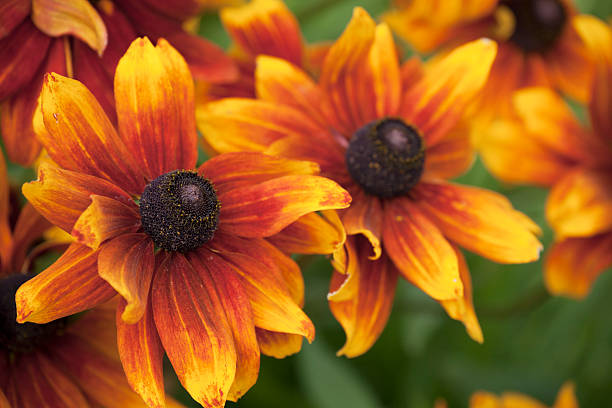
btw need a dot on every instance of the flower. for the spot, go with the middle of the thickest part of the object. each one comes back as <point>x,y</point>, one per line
<point>539,44</point>
<point>80,40</point>
<point>390,135</point>
<point>184,247</point>
<point>565,399</point>
<point>546,145</point>
<point>64,363</point>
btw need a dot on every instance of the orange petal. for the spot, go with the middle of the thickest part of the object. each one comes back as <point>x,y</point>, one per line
<point>264,209</point>
<point>104,219</point>
<point>214,271</point>
<point>80,137</point>
<point>17,112</point>
<point>481,221</point>
<point>346,263</point>
<point>278,345</point>
<point>462,309</point>
<point>98,329</point>
<point>265,27</point>
<point>573,264</point>
<point>273,307</point>
<point>453,155</point>
<point>12,12</point>
<point>436,102</point>
<point>514,399</point>
<point>311,234</point>
<point>142,356</point>
<point>4,403</point>
<point>566,397</point>
<point>364,216</point>
<point>70,17</point>
<point>365,315</point>
<point>580,204</point>
<point>194,330</point>
<point>127,263</point>
<point>154,98</point>
<point>514,155</point>
<point>61,195</point>
<point>70,285</point>
<point>21,54</point>
<point>235,124</point>
<point>42,384</point>
<point>236,170</point>
<point>420,251</point>
<point>384,71</point>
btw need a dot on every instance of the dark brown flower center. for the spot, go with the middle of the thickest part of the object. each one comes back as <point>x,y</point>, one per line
<point>179,210</point>
<point>537,23</point>
<point>21,337</point>
<point>386,157</point>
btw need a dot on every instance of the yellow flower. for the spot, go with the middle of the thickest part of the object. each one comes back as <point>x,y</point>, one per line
<point>390,135</point>
<point>565,399</point>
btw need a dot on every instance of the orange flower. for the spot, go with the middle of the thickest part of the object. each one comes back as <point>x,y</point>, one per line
<point>565,399</point>
<point>539,44</point>
<point>74,38</point>
<point>184,248</point>
<point>389,135</point>
<point>546,145</point>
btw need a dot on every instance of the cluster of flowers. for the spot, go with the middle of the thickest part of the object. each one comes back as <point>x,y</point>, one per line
<point>340,149</point>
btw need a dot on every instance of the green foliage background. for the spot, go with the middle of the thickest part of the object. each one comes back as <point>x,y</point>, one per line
<point>533,343</point>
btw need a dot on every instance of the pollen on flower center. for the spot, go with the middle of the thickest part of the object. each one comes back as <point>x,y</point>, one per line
<point>179,210</point>
<point>538,23</point>
<point>386,157</point>
<point>21,337</point>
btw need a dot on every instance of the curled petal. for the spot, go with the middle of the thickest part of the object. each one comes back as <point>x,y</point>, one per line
<point>481,221</point>
<point>154,99</point>
<point>70,285</point>
<point>264,209</point>
<point>312,234</point>
<point>127,263</point>
<point>420,251</point>
<point>74,17</point>
<point>364,216</point>
<point>573,264</point>
<point>278,345</point>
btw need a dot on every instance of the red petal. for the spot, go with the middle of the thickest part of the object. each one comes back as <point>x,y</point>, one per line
<point>12,12</point>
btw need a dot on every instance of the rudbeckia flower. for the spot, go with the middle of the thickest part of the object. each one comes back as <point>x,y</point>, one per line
<point>538,43</point>
<point>184,247</point>
<point>546,145</point>
<point>565,399</point>
<point>71,362</point>
<point>390,135</point>
<point>80,40</point>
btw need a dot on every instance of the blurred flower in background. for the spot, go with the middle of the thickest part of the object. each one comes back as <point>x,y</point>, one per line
<point>565,399</point>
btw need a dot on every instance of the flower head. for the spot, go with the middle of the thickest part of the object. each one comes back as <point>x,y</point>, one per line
<point>389,134</point>
<point>184,247</point>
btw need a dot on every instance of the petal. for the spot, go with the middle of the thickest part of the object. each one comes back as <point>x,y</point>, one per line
<point>4,403</point>
<point>98,329</point>
<point>127,264</point>
<point>365,315</point>
<point>514,399</point>
<point>80,137</point>
<point>214,271</point>
<point>311,234</point>
<point>236,170</point>
<point>235,124</point>
<point>12,12</point>
<point>515,156</point>
<point>29,228</point>
<point>61,195</point>
<point>580,204</point>
<point>142,356</point>
<point>384,71</point>
<point>364,216</point>
<point>272,304</point>
<point>278,345</point>
<point>17,112</point>
<point>6,239</point>
<point>420,251</point>
<point>104,219</point>
<point>566,397</point>
<point>462,309</point>
<point>436,102</point>
<point>194,331</point>
<point>70,17</point>
<point>265,27</point>
<point>21,53</point>
<point>70,285</point>
<point>264,209</point>
<point>453,155</point>
<point>155,111</point>
<point>481,221</point>
<point>573,264</point>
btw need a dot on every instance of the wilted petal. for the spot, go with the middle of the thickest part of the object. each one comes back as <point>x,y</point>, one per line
<point>365,216</point>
